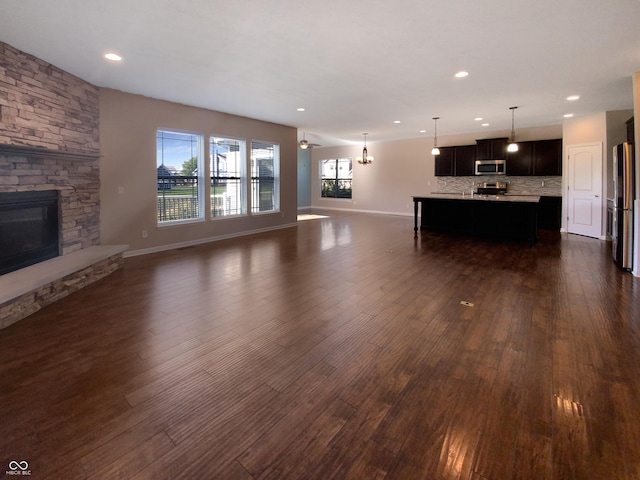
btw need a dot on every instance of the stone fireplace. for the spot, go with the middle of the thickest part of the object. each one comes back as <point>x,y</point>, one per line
<point>75,179</point>
<point>45,184</point>
<point>49,145</point>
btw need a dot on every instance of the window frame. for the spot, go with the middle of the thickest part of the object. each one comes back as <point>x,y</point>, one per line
<point>199,177</point>
<point>253,209</point>
<point>242,178</point>
<point>337,179</point>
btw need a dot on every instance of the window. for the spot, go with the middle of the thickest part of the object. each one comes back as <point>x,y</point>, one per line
<point>228,184</point>
<point>265,177</point>
<point>179,167</point>
<point>336,177</point>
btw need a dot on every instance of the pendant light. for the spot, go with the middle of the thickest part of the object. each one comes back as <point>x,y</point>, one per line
<point>435,150</point>
<point>513,146</point>
<point>365,158</point>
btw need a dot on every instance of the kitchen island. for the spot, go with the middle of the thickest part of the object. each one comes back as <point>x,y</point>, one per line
<point>500,216</point>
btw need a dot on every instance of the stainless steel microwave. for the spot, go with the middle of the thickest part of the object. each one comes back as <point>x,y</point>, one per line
<point>491,167</point>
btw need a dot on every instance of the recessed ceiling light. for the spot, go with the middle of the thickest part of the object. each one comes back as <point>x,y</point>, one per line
<point>477,119</point>
<point>114,57</point>
<point>423,131</point>
<point>396,121</point>
<point>301,109</point>
<point>568,115</point>
<point>485,124</point>
<point>571,98</point>
<point>462,74</point>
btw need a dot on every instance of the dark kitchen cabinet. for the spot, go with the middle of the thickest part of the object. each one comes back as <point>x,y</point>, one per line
<point>485,217</point>
<point>550,213</point>
<point>520,163</point>
<point>540,158</point>
<point>447,215</point>
<point>464,162</point>
<point>491,149</point>
<point>631,134</point>
<point>444,162</point>
<point>547,157</point>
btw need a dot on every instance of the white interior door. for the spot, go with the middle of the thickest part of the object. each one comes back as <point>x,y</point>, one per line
<point>584,190</point>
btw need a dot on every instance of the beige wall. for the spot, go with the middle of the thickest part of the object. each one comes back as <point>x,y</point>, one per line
<point>401,168</point>
<point>128,125</point>
<point>616,133</point>
<point>636,109</point>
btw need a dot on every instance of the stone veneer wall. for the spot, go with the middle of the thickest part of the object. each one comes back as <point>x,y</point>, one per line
<point>44,106</point>
<point>50,139</point>
<point>28,303</point>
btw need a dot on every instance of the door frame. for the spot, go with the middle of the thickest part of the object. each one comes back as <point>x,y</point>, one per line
<point>565,186</point>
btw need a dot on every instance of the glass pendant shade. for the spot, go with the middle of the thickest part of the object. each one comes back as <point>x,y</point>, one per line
<point>513,146</point>
<point>435,150</point>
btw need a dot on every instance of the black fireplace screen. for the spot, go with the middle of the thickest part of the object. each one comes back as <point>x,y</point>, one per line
<point>29,228</point>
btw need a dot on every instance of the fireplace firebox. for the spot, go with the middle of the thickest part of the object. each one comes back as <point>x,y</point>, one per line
<point>29,228</point>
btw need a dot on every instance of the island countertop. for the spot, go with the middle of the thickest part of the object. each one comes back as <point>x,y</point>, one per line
<point>482,197</point>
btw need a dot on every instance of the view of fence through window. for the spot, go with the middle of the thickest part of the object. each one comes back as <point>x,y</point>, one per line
<point>182,177</point>
<point>265,177</point>
<point>178,160</point>
<point>336,177</point>
<point>228,183</point>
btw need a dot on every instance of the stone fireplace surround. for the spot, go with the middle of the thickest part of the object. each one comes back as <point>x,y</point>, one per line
<point>82,260</point>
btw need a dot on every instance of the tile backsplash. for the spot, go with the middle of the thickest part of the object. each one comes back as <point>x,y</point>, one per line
<point>544,186</point>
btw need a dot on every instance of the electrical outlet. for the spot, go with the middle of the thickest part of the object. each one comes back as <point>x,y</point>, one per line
<point>145,234</point>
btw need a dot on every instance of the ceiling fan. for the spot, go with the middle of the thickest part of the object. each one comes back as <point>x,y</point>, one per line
<point>304,144</point>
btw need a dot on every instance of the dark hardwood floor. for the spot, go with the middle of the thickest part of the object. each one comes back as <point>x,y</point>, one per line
<point>338,349</point>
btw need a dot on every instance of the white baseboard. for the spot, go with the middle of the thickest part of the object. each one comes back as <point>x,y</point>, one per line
<point>201,241</point>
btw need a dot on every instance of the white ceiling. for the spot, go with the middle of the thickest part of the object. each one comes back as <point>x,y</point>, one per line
<point>354,65</point>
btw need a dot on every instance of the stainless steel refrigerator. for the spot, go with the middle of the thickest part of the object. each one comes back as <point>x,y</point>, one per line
<point>623,187</point>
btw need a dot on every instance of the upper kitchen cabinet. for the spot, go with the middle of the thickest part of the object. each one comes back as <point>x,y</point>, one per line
<point>547,157</point>
<point>491,149</point>
<point>464,161</point>
<point>540,158</point>
<point>455,161</point>
<point>520,163</point>
<point>444,162</point>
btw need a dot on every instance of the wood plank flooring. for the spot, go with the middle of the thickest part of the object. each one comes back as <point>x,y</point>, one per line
<point>335,350</point>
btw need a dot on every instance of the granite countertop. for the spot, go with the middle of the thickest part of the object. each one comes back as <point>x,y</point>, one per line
<point>475,196</point>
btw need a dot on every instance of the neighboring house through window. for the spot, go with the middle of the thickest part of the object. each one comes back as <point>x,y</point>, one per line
<point>228,178</point>
<point>336,176</point>
<point>265,177</point>
<point>179,171</point>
